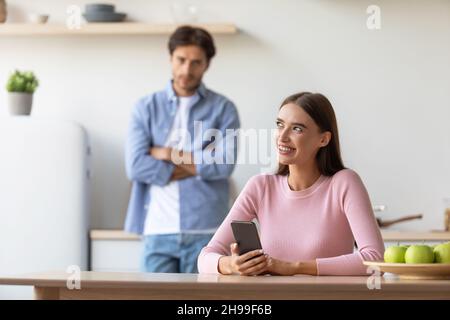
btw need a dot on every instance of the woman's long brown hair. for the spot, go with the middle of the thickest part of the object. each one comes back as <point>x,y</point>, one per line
<point>319,108</point>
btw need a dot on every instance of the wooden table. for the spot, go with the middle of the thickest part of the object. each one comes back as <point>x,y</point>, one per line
<point>114,285</point>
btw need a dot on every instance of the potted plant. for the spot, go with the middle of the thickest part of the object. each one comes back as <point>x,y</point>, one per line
<point>21,86</point>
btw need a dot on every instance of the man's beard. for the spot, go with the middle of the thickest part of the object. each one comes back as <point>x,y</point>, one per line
<point>192,84</point>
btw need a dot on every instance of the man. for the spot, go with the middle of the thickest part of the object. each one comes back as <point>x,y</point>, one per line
<point>178,200</point>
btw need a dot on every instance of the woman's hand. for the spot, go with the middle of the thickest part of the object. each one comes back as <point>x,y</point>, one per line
<point>249,264</point>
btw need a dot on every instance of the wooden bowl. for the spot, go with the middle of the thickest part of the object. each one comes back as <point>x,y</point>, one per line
<point>414,271</point>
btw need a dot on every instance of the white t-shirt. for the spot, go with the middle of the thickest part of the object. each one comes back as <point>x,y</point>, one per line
<point>163,215</point>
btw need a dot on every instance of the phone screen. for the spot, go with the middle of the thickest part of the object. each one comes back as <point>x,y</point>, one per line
<point>246,236</point>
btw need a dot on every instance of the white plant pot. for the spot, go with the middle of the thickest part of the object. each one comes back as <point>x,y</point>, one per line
<point>20,103</point>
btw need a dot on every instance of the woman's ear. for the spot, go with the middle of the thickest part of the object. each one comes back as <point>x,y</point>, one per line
<point>326,137</point>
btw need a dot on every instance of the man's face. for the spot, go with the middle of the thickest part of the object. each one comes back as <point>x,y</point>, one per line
<point>189,63</point>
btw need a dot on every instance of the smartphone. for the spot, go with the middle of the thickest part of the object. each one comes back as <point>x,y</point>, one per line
<point>246,235</point>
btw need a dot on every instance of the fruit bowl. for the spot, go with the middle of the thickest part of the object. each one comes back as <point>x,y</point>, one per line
<point>413,271</point>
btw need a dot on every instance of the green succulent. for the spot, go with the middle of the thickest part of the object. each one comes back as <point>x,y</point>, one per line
<point>22,82</point>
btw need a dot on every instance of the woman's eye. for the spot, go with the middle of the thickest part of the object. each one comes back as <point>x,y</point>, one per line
<point>279,124</point>
<point>298,129</point>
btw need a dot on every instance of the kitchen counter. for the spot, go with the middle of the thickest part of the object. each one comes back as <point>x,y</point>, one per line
<point>115,285</point>
<point>388,235</point>
<point>118,251</point>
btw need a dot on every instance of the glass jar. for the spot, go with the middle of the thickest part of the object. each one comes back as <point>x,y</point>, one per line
<point>447,214</point>
<point>2,11</point>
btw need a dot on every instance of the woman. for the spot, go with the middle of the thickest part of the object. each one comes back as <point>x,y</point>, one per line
<point>310,213</point>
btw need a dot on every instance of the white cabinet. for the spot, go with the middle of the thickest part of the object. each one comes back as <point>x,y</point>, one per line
<point>115,255</point>
<point>44,198</point>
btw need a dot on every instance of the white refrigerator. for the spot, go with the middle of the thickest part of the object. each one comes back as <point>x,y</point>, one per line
<point>44,198</point>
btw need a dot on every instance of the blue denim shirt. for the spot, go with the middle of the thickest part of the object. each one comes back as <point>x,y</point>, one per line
<point>203,198</point>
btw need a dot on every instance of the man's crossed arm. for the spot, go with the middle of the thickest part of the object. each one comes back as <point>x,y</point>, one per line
<point>184,166</point>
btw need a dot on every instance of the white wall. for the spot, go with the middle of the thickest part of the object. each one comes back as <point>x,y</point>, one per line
<point>390,87</point>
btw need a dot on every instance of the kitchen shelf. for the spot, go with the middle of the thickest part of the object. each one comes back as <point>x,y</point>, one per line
<point>104,234</point>
<point>96,29</point>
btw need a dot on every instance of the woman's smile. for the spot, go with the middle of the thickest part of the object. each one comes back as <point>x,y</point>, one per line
<point>285,150</point>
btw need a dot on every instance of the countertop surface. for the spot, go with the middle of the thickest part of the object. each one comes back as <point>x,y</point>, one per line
<point>388,235</point>
<point>115,285</point>
<point>138,279</point>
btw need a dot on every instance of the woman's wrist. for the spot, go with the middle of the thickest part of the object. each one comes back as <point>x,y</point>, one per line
<point>306,267</point>
<point>224,265</point>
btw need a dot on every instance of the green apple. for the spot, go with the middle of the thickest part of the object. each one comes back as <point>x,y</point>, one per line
<point>419,254</point>
<point>442,253</point>
<point>395,254</point>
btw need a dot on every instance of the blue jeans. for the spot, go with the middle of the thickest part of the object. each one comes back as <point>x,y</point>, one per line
<point>172,253</point>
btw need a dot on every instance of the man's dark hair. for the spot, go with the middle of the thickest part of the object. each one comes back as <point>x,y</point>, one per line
<point>187,35</point>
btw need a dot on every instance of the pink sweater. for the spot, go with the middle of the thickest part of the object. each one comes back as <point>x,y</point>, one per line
<point>319,223</point>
